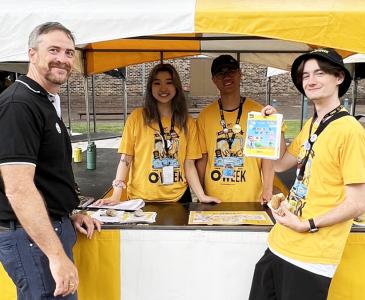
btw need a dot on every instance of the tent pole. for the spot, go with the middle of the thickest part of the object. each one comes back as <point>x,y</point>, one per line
<point>69,107</point>
<point>86,90</point>
<point>238,57</point>
<point>268,91</point>
<point>354,97</point>
<point>125,111</point>
<point>302,112</point>
<point>93,100</point>
<point>161,57</point>
<point>143,79</point>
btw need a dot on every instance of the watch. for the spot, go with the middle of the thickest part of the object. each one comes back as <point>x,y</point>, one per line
<point>312,227</point>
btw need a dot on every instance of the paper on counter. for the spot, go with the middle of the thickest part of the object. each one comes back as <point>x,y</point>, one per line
<point>100,215</point>
<point>85,201</point>
<point>147,217</point>
<point>129,205</point>
<point>125,217</point>
<point>229,218</point>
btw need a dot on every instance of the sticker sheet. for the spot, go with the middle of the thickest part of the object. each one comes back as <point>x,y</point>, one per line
<point>263,135</point>
<point>229,218</point>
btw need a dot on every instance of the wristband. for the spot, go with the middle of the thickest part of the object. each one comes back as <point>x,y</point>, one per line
<point>119,184</point>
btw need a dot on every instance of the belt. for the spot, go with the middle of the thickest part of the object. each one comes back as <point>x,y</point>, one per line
<point>13,224</point>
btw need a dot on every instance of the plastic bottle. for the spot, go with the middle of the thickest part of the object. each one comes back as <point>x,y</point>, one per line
<point>77,155</point>
<point>91,156</point>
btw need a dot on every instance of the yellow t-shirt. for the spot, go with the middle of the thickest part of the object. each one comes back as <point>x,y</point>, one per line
<point>337,159</point>
<point>146,146</point>
<point>244,183</point>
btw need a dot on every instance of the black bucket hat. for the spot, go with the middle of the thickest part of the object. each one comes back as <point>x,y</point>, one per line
<point>326,54</point>
<point>223,61</point>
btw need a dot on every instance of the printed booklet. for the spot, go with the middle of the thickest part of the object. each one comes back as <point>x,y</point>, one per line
<point>263,135</point>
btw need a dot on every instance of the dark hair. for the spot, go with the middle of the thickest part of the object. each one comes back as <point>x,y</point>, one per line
<point>46,28</point>
<point>178,104</point>
<point>324,65</point>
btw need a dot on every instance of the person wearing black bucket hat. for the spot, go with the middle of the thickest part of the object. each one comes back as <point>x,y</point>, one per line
<point>322,54</point>
<point>312,226</point>
<point>224,170</point>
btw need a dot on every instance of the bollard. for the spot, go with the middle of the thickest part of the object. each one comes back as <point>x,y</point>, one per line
<point>91,156</point>
<point>274,103</point>
<point>346,103</point>
<point>305,108</point>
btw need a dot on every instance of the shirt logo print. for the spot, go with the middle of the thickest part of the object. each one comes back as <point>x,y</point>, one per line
<point>58,128</point>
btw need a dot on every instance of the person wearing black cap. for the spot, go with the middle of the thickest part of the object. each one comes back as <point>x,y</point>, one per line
<point>37,194</point>
<point>312,226</point>
<point>224,170</point>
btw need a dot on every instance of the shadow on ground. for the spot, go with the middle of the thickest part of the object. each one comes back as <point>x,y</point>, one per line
<point>96,182</point>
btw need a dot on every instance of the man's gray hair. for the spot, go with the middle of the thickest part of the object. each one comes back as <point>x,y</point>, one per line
<point>46,28</point>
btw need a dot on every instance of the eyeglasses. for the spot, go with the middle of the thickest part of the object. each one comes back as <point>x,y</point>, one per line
<point>221,75</point>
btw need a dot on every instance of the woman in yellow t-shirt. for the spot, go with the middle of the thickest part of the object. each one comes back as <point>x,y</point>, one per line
<point>159,146</point>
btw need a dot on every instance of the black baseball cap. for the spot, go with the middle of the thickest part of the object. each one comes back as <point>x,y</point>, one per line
<point>223,61</point>
<point>326,54</point>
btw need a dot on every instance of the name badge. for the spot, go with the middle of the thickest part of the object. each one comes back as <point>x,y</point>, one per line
<point>228,171</point>
<point>167,175</point>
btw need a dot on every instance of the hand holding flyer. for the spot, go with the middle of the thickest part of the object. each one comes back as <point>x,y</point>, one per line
<point>263,135</point>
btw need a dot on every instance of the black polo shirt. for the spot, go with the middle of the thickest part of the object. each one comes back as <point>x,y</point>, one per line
<point>32,133</point>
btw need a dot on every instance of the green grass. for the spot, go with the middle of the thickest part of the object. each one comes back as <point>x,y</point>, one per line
<point>293,128</point>
<point>116,127</point>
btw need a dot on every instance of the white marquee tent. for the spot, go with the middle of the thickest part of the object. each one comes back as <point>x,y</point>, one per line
<point>115,33</point>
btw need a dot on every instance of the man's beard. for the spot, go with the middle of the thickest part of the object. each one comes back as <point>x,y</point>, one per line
<point>58,79</point>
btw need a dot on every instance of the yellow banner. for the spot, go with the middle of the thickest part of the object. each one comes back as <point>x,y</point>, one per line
<point>98,264</point>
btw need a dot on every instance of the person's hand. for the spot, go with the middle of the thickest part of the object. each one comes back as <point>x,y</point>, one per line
<point>284,217</point>
<point>208,199</point>
<point>265,196</point>
<point>64,274</point>
<point>86,224</point>
<point>268,110</point>
<point>106,201</point>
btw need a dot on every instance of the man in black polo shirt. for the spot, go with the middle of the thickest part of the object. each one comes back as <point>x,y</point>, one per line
<point>37,190</point>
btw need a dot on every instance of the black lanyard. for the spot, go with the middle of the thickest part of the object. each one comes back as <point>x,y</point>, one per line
<point>162,133</point>
<point>230,140</point>
<point>308,145</point>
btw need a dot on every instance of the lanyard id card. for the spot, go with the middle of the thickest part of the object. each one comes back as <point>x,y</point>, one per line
<point>167,142</point>
<point>308,145</point>
<point>167,175</point>
<point>228,171</point>
<point>236,127</point>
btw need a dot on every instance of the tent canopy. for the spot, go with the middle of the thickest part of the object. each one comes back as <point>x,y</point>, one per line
<point>116,33</point>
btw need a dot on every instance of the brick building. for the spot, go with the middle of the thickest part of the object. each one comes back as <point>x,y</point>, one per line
<point>109,91</point>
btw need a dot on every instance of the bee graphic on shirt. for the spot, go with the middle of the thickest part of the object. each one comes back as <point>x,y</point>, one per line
<point>161,157</point>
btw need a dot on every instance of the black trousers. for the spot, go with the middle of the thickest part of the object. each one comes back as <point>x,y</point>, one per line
<point>28,266</point>
<point>277,279</point>
<point>186,197</point>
